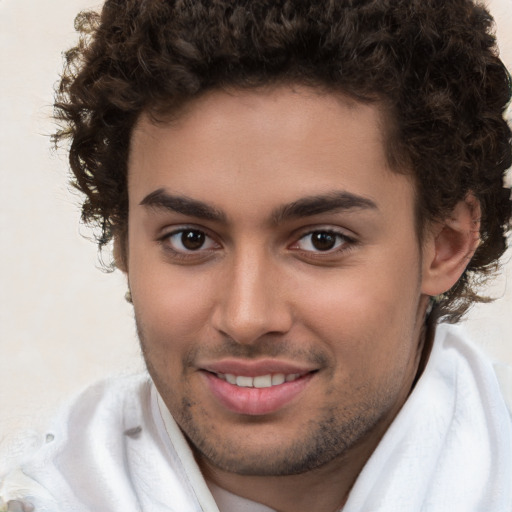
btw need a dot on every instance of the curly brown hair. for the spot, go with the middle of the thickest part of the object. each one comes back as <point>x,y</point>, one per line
<point>433,62</point>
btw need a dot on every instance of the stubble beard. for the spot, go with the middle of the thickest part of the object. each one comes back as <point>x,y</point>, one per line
<point>319,442</point>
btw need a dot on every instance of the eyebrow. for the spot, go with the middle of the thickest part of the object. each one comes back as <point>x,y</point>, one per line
<point>315,205</point>
<point>161,200</point>
<point>304,207</point>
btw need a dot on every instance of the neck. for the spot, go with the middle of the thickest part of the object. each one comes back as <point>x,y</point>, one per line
<point>324,489</point>
<point>297,493</point>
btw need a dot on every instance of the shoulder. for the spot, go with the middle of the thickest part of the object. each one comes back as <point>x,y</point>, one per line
<point>87,436</point>
<point>456,423</point>
<point>492,375</point>
<point>108,450</point>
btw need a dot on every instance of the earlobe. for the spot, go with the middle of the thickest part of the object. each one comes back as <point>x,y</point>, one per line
<point>450,246</point>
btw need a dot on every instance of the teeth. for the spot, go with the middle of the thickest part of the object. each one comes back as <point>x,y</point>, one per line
<point>278,378</point>
<point>244,382</point>
<point>264,381</point>
<point>230,378</point>
<point>261,381</point>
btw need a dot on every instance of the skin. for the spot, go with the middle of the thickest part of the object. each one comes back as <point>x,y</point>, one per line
<point>259,290</point>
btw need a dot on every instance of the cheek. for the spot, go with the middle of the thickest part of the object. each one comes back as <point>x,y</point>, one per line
<point>366,315</point>
<point>171,307</point>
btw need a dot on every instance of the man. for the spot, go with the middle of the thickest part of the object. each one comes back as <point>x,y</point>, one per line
<point>298,193</point>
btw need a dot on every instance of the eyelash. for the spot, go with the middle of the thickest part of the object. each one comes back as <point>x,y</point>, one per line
<point>187,254</point>
<point>343,243</point>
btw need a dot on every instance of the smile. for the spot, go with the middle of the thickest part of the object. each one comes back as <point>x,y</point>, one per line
<point>260,381</point>
<point>258,394</point>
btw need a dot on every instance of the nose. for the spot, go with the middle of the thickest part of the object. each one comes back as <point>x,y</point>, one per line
<point>252,302</point>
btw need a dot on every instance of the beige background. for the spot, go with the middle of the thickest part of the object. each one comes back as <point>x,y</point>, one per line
<point>63,322</point>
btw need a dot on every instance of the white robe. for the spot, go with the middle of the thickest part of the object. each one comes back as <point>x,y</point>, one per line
<point>117,449</point>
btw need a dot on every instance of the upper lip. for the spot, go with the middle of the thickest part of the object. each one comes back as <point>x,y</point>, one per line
<point>255,368</point>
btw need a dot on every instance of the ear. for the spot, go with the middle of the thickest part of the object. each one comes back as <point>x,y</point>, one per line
<point>120,258</point>
<point>450,245</point>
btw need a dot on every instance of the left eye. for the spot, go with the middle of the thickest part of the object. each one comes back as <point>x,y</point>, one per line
<point>321,241</point>
<point>190,240</point>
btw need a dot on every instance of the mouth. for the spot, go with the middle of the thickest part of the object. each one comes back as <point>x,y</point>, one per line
<point>254,392</point>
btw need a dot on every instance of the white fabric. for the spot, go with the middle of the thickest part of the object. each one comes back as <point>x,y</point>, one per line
<point>449,449</point>
<point>110,452</point>
<point>229,502</point>
<point>224,500</point>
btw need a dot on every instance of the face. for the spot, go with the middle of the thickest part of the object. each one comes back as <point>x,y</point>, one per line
<point>275,273</point>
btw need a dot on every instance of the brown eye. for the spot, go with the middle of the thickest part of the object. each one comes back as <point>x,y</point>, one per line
<point>192,240</point>
<point>188,240</point>
<point>323,241</point>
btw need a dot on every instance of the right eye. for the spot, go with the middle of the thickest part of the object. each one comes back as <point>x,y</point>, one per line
<point>189,240</point>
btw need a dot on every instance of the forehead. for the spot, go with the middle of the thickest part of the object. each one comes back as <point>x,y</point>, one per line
<point>264,146</point>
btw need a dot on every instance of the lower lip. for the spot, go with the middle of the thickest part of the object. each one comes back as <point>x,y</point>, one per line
<point>256,401</point>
